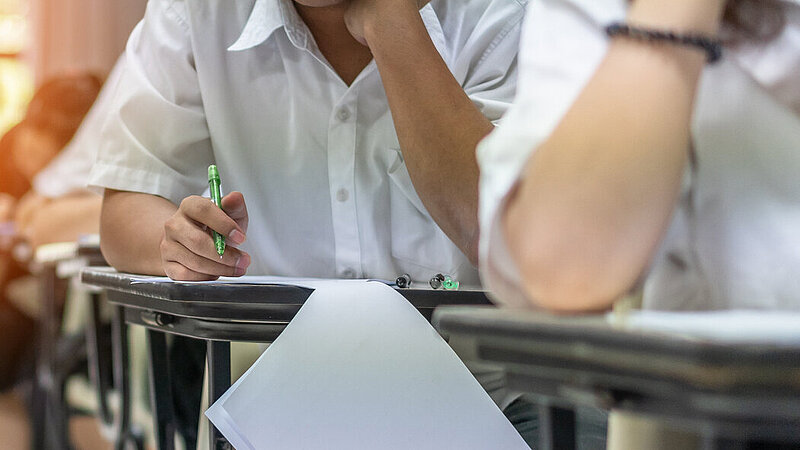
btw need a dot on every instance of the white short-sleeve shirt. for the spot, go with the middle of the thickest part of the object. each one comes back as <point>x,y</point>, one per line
<point>243,85</point>
<point>734,241</point>
<point>69,171</point>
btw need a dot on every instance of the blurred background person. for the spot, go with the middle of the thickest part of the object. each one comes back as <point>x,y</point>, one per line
<point>55,113</point>
<point>42,40</point>
<point>645,165</point>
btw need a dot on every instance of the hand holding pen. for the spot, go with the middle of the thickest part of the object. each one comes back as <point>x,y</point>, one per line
<point>188,248</point>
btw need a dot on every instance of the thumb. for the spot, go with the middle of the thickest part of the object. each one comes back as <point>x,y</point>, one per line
<point>235,207</point>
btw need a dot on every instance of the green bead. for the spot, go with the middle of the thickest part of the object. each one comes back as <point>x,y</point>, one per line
<point>450,284</point>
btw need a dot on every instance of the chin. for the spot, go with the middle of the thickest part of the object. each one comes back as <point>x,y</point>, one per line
<point>319,3</point>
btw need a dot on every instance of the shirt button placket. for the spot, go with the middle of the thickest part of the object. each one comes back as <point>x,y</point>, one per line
<point>341,169</point>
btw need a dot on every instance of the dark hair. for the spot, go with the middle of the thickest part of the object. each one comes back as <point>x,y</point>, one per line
<point>753,20</point>
<point>58,107</point>
<point>60,104</point>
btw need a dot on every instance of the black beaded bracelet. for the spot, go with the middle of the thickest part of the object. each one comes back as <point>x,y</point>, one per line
<point>712,47</point>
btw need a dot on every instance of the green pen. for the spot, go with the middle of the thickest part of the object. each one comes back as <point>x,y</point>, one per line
<point>216,197</point>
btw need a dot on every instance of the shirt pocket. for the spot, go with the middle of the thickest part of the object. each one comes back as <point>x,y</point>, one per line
<point>419,247</point>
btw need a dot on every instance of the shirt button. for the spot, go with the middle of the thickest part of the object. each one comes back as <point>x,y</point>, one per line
<point>349,273</point>
<point>343,114</point>
<point>342,195</point>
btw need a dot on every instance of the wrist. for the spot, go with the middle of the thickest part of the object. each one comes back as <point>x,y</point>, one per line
<point>398,18</point>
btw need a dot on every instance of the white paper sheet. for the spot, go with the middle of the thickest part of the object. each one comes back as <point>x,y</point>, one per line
<point>736,326</point>
<point>359,367</point>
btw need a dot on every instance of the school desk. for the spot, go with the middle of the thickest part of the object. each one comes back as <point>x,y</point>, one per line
<point>219,314</point>
<point>733,394</point>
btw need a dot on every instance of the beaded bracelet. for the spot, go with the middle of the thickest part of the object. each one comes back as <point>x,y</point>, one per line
<point>712,47</point>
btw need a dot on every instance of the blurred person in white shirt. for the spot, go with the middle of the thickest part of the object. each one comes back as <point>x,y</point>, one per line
<point>631,166</point>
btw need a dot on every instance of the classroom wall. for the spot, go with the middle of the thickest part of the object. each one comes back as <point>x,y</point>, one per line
<point>79,35</point>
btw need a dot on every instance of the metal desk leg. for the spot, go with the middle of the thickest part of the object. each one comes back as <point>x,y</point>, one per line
<point>119,339</point>
<point>161,391</point>
<point>218,358</point>
<point>556,428</point>
<point>97,360</point>
<point>48,411</point>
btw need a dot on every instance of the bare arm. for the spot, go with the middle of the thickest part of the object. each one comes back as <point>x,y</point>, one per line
<point>147,234</point>
<point>437,124</point>
<point>43,220</point>
<point>131,226</point>
<point>596,198</point>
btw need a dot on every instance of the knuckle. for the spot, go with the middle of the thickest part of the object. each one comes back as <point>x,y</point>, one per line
<point>197,239</point>
<point>184,274</point>
<point>170,227</point>
<point>163,247</point>
<point>204,206</point>
<point>192,204</point>
<point>186,203</point>
<point>173,270</point>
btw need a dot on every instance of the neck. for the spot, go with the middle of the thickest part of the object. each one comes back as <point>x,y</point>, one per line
<point>347,57</point>
<point>325,17</point>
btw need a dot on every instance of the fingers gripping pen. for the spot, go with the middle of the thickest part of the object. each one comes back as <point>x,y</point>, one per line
<point>216,197</point>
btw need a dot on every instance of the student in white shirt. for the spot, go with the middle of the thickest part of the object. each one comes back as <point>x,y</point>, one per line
<point>322,135</point>
<point>628,164</point>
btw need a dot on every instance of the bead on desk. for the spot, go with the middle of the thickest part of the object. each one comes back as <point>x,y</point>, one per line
<point>440,281</point>
<point>403,281</point>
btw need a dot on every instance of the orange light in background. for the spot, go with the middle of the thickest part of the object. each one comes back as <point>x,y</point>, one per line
<point>16,90</point>
<point>16,80</point>
<point>13,33</point>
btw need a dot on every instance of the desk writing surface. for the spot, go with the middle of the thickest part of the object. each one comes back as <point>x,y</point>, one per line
<point>589,351</point>
<point>55,252</point>
<point>245,298</point>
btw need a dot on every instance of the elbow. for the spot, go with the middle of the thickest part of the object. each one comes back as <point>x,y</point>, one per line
<point>110,246</point>
<point>124,244</point>
<point>562,283</point>
<point>118,253</point>
<point>559,270</point>
<point>562,294</point>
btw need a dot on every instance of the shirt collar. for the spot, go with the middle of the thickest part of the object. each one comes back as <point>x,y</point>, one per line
<point>269,15</point>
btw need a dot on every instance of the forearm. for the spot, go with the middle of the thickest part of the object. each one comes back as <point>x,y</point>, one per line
<point>597,196</point>
<point>131,228</point>
<point>437,125</point>
<point>65,219</point>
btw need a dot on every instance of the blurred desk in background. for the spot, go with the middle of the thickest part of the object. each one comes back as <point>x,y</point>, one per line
<point>60,354</point>
<point>732,393</point>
